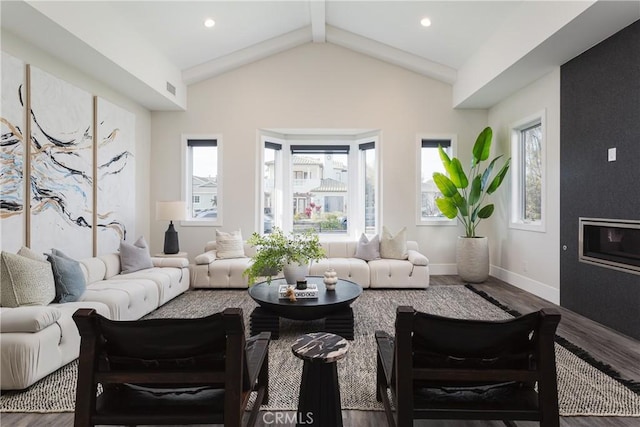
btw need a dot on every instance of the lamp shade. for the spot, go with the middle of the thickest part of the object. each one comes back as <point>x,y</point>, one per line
<point>171,211</point>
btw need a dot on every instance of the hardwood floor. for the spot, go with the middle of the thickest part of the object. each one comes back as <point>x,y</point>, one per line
<point>606,345</point>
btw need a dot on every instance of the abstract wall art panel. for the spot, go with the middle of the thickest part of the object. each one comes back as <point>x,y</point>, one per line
<point>61,166</point>
<point>116,176</point>
<point>12,117</point>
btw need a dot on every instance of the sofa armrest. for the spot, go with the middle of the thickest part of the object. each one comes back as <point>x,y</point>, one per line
<point>170,262</point>
<point>28,318</point>
<point>206,258</point>
<point>416,258</point>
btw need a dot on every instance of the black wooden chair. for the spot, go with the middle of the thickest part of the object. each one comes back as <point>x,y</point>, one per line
<point>443,368</point>
<point>169,371</point>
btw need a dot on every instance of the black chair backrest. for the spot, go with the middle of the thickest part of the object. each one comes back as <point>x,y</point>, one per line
<point>447,342</point>
<point>162,343</point>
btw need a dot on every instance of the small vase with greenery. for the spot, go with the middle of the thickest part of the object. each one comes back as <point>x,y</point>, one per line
<point>463,196</point>
<point>275,250</point>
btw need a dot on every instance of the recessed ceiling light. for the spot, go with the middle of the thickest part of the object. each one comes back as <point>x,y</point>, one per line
<point>425,22</point>
<point>209,22</point>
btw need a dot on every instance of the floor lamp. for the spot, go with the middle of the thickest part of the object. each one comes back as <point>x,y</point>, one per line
<point>171,211</point>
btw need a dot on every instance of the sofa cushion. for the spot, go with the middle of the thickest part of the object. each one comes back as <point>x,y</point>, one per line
<point>26,252</point>
<point>230,245</point>
<point>134,257</point>
<point>24,281</point>
<point>69,279</point>
<point>394,247</point>
<point>28,319</point>
<point>368,250</point>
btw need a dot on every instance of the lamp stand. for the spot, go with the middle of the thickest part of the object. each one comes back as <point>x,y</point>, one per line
<point>171,245</point>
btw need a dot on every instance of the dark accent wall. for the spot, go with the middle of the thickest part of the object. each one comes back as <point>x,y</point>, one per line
<point>600,109</point>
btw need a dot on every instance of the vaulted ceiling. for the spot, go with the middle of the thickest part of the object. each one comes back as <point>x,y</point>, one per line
<point>485,49</point>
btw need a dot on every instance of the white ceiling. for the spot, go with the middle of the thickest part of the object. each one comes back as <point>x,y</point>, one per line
<point>138,46</point>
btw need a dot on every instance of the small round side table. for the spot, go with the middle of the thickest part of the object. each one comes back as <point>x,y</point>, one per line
<point>319,400</point>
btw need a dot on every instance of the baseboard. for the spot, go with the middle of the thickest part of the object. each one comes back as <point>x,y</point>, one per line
<point>540,289</point>
<point>442,269</point>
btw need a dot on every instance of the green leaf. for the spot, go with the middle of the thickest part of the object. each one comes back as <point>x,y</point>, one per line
<point>482,147</point>
<point>444,184</point>
<point>461,204</point>
<point>499,177</point>
<point>476,190</point>
<point>486,211</point>
<point>444,157</point>
<point>456,174</point>
<point>487,172</point>
<point>447,207</point>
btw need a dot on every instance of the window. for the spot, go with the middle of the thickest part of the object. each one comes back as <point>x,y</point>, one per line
<point>429,158</point>
<point>201,179</point>
<point>527,146</point>
<point>320,182</point>
<point>320,203</point>
<point>270,184</point>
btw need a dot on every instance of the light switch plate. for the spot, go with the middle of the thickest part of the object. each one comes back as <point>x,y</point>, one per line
<point>612,154</point>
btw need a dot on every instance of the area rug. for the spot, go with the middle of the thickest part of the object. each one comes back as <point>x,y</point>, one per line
<point>584,390</point>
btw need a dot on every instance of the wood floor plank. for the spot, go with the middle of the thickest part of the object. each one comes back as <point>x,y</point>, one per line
<point>605,344</point>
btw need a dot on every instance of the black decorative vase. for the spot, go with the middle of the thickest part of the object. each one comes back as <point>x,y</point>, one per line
<point>301,284</point>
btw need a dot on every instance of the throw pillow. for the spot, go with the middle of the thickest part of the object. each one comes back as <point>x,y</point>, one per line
<point>26,252</point>
<point>134,257</point>
<point>229,245</point>
<point>68,276</point>
<point>368,250</point>
<point>24,281</point>
<point>394,247</point>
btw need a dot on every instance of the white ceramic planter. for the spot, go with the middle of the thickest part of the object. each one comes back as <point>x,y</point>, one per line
<point>293,272</point>
<point>472,257</point>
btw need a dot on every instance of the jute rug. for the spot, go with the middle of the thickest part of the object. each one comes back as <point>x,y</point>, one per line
<point>584,390</point>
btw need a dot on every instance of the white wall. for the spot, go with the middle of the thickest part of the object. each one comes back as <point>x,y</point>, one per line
<point>30,54</point>
<point>529,259</point>
<point>312,86</point>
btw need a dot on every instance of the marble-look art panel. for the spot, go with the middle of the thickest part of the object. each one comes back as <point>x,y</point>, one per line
<point>12,150</point>
<point>61,166</point>
<point>116,176</point>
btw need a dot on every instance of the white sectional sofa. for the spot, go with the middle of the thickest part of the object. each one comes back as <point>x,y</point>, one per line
<point>37,340</point>
<point>212,272</point>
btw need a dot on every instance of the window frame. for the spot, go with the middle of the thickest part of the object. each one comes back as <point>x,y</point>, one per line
<point>516,220</point>
<point>356,213</point>
<point>187,180</point>
<point>435,221</point>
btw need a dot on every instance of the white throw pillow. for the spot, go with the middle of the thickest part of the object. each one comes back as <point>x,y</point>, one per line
<point>134,257</point>
<point>368,250</point>
<point>394,247</point>
<point>229,245</point>
<point>25,281</point>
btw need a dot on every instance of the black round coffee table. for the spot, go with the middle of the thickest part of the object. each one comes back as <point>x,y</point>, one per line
<point>333,306</point>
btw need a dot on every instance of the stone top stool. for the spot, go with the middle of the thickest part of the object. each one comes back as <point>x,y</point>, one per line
<point>319,399</point>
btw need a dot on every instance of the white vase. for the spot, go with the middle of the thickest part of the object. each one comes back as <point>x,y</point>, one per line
<point>294,272</point>
<point>472,257</point>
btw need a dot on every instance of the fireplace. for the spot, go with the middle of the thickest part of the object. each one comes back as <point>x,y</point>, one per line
<point>610,243</point>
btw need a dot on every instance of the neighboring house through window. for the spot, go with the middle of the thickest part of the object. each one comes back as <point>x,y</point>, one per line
<point>202,178</point>
<point>430,162</point>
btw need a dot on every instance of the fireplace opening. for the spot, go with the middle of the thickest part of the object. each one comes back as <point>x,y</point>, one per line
<point>610,243</point>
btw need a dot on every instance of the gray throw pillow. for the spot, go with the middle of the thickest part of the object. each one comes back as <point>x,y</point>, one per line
<point>25,281</point>
<point>394,247</point>
<point>368,250</point>
<point>134,257</point>
<point>68,276</point>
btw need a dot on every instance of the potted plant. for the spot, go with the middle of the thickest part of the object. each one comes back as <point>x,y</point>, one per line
<point>277,252</point>
<point>463,196</point>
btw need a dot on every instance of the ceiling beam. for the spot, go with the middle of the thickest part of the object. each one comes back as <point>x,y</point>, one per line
<point>317,10</point>
<point>247,55</point>
<point>390,54</point>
